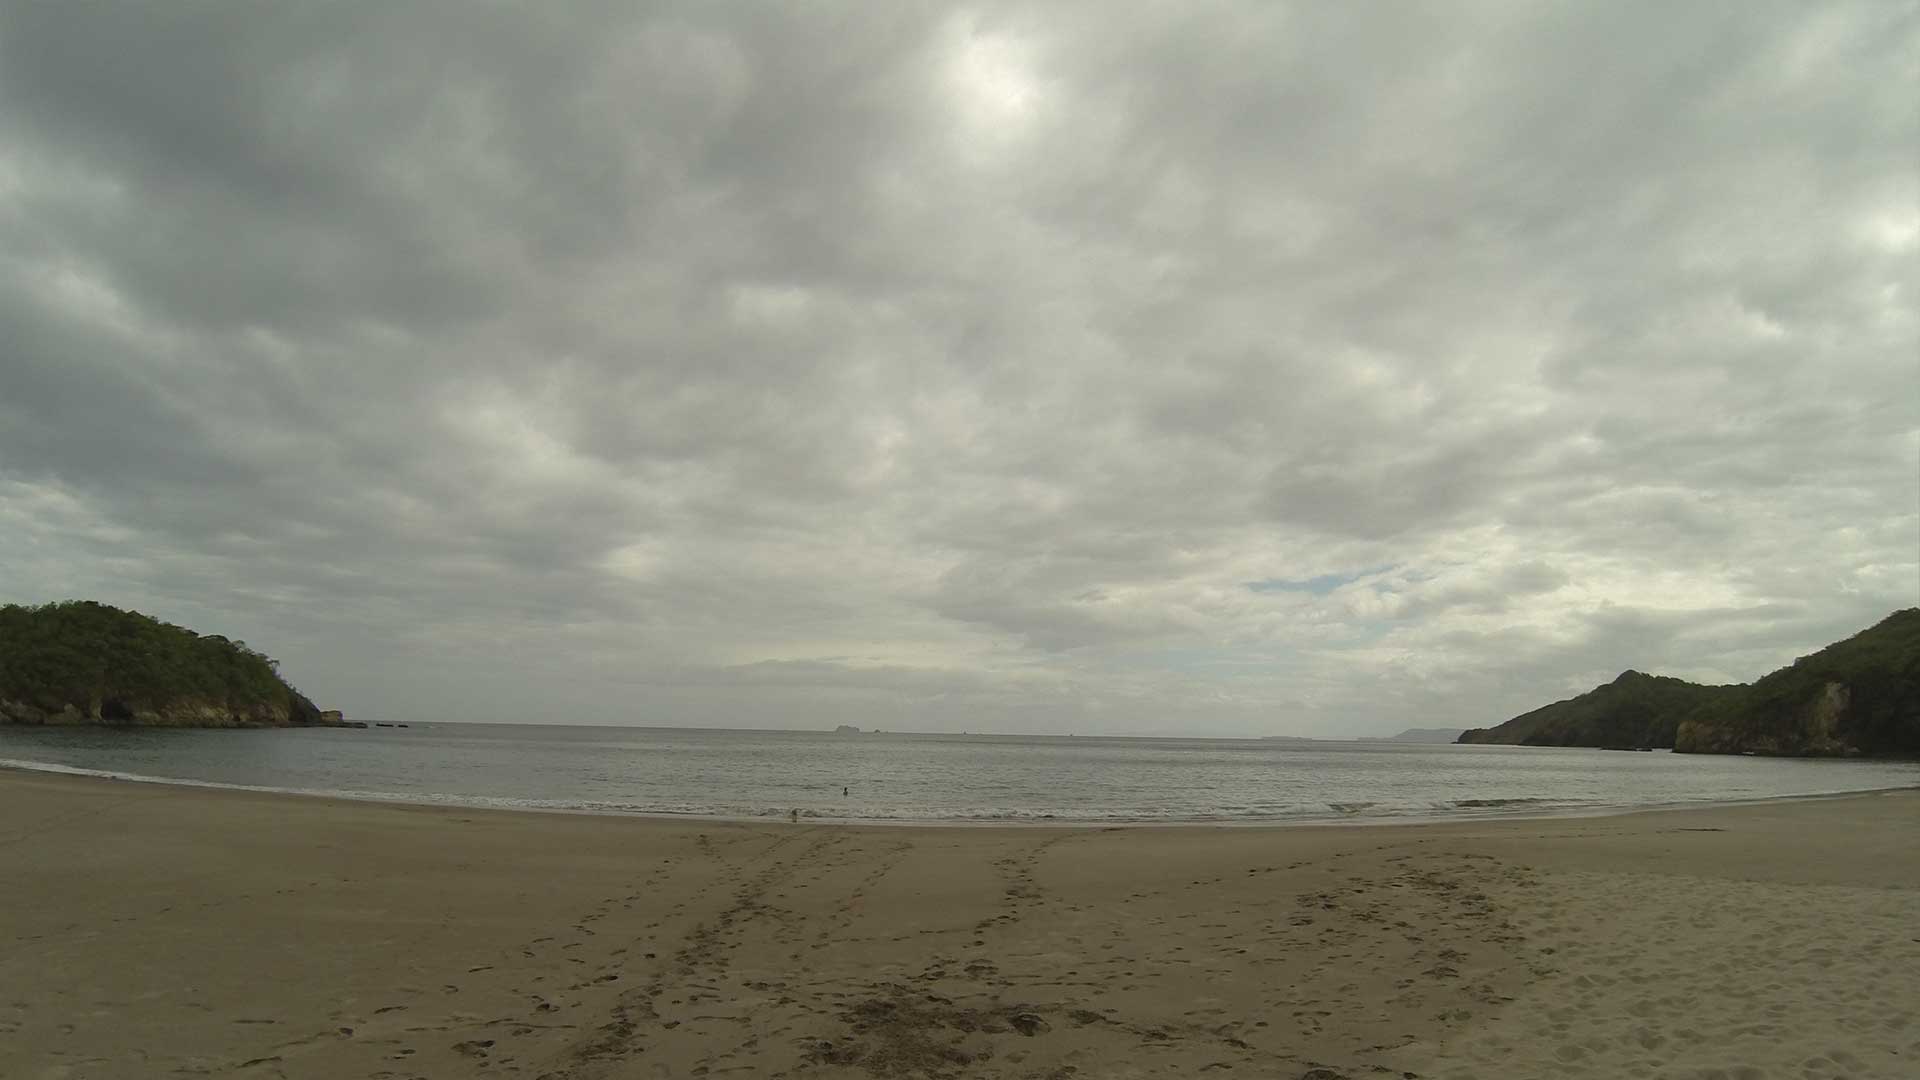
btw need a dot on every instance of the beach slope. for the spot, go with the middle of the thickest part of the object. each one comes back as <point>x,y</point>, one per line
<point>155,931</point>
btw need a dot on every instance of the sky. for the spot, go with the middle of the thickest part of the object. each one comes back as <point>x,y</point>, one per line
<point>1202,368</point>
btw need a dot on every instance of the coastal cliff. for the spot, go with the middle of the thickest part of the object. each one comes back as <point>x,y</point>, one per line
<point>87,663</point>
<point>1858,697</point>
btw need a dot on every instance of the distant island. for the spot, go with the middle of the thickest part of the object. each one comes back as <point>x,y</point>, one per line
<point>81,662</point>
<point>1429,735</point>
<point>1858,697</point>
<point>846,729</point>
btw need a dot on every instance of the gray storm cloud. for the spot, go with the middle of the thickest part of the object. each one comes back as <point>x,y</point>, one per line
<point>1230,368</point>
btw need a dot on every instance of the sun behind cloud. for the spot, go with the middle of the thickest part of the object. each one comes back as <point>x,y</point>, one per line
<point>995,88</point>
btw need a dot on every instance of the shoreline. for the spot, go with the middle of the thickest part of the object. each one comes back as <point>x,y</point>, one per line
<point>1520,811</point>
<point>408,941</point>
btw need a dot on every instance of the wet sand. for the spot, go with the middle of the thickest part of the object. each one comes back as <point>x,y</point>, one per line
<point>155,931</point>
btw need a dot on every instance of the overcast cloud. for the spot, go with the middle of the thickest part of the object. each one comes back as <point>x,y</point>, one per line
<point>1217,368</point>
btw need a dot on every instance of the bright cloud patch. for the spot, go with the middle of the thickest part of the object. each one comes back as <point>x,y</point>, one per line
<point>1243,369</point>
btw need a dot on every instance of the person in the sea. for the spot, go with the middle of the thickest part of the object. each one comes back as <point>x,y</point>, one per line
<point>843,793</point>
<point>796,816</point>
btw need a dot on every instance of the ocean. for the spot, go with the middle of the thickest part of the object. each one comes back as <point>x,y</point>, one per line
<point>930,778</point>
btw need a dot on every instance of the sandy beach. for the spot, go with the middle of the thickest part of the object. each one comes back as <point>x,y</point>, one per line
<point>157,931</point>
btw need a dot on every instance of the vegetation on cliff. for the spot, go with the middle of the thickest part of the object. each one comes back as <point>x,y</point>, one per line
<point>1633,710</point>
<point>82,662</point>
<point>1860,696</point>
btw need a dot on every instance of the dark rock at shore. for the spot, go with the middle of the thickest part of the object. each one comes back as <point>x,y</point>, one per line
<point>185,712</point>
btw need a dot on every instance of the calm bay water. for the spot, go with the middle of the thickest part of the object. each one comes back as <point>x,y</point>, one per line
<point>894,777</point>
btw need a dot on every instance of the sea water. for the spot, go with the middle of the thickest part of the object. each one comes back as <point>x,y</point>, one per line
<point>931,778</point>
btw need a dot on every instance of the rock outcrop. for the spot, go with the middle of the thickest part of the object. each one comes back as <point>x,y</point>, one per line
<point>177,713</point>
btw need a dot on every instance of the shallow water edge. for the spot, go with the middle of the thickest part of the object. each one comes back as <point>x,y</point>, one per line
<point>1506,810</point>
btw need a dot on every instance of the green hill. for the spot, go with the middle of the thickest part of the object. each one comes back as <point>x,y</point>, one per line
<point>1860,696</point>
<point>1632,710</point>
<point>81,662</point>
